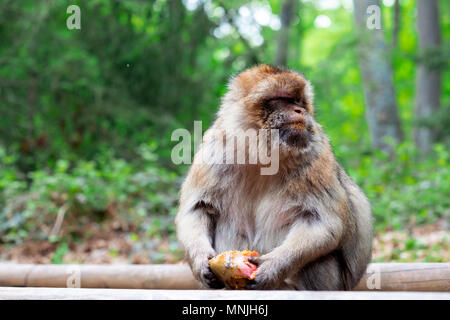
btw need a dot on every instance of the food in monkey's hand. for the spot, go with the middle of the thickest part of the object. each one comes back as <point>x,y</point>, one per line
<point>233,268</point>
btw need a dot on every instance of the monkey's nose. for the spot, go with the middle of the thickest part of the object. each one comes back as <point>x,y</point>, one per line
<point>297,114</point>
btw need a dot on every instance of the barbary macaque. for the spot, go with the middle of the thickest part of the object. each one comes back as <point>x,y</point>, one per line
<point>310,223</point>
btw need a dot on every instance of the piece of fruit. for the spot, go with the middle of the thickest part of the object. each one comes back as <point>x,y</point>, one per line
<point>233,268</point>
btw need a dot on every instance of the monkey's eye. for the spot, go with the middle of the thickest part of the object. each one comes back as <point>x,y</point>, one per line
<point>282,99</point>
<point>275,102</point>
<point>300,102</point>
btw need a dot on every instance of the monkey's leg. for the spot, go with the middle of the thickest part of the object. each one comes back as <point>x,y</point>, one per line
<point>323,274</point>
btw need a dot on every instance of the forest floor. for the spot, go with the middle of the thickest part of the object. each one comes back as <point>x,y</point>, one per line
<point>430,243</point>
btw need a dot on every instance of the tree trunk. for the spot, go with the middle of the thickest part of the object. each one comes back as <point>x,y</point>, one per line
<point>287,12</point>
<point>396,23</point>
<point>299,31</point>
<point>428,81</point>
<point>381,110</point>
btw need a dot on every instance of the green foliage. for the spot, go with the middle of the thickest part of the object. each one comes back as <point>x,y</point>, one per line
<point>59,253</point>
<point>404,190</point>
<point>86,191</point>
<point>439,123</point>
<point>11,184</point>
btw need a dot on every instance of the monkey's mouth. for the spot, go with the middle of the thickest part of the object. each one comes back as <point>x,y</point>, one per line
<point>295,125</point>
<point>296,134</point>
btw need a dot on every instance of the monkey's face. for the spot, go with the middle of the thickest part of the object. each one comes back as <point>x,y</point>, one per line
<point>280,99</point>
<point>290,116</point>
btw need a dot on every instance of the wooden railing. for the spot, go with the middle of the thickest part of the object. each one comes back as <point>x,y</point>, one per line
<point>379,277</point>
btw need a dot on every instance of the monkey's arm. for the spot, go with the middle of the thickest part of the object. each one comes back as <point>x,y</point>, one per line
<point>308,239</point>
<point>194,226</point>
<point>194,232</point>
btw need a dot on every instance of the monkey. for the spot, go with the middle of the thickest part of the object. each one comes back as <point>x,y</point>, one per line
<point>311,224</point>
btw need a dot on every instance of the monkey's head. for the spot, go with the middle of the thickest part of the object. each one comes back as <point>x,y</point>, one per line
<point>266,97</point>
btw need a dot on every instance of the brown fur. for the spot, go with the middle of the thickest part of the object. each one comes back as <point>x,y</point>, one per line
<point>309,221</point>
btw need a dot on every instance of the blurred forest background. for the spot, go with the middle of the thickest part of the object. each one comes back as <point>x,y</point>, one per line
<point>86,115</point>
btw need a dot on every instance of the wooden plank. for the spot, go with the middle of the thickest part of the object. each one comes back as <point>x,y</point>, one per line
<point>380,276</point>
<point>11,293</point>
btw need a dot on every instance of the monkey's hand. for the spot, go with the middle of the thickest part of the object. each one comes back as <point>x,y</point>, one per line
<point>210,279</point>
<point>268,275</point>
<point>203,272</point>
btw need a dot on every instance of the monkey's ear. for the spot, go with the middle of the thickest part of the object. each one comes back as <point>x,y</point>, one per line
<point>309,92</point>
